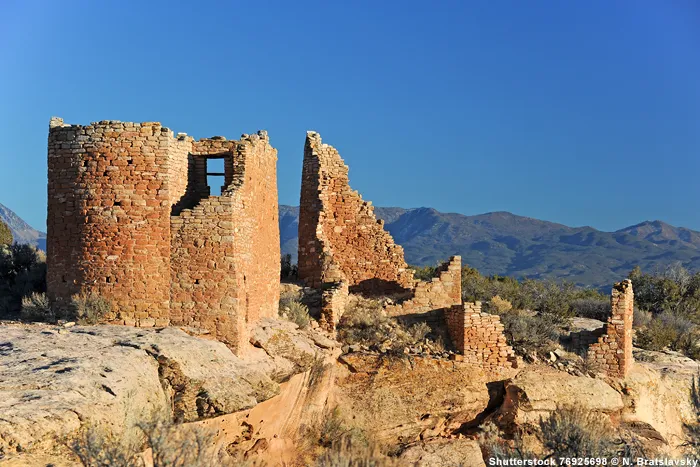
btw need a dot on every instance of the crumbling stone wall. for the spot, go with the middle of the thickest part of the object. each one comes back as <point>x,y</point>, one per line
<point>613,351</point>
<point>131,218</point>
<point>479,336</point>
<point>337,229</point>
<point>440,293</point>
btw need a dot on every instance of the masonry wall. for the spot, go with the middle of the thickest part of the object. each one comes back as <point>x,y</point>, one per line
<point>479,336</point>
<point>109,216</point>
<point>131,218</point>
<point>338,229</point>
<point>441,292</point>
<point>613,351</point>
<point>334,299</point>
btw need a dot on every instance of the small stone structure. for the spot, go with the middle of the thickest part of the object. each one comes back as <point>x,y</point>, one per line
<point>441,292</point>
<point>334,299</point>
<point>131,217</point>
<point>613,351</point>
<point>339,236</point>
<point>479,336</point>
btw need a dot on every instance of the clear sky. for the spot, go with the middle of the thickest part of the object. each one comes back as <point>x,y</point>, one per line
<point>579,112</point>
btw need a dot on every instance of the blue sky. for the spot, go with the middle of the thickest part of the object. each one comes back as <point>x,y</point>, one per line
<point>584,113</point>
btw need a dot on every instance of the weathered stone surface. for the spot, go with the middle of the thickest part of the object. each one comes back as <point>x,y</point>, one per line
<point>131,218</point>
<point>537,392</point>
<point>53,383</point>
<point>281,339</point>
<point>657,391</point>
<point>404,400</point>
<point>444,453</point>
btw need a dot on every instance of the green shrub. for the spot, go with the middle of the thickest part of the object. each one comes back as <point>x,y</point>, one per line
<point>22,272</point>
<point>287,269</point>
<point>90,308</point>
<point>656,336</point>
<point>498,305</point>
<point>5,234</point>
<point>527,333</point>
<point>35,307</point>
<point>298,313</point>
<point>594,308</point>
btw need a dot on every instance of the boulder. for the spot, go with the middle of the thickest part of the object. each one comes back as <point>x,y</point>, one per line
<point>443,453</point>
<point>537,392</point>
<point>403,400</point>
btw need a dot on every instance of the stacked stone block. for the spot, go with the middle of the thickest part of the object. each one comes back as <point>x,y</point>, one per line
<point>131,218</point>
<point>441,292</point>
<point>613,351</point>
<point>334,299</point>
<point>337,229</point>
<point>479,336</point>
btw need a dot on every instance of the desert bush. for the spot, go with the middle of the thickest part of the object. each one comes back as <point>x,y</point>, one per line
<point>498,305</point>
<point>287,270</point>
<point>417,332</point>
<point>89,308</point>
<point>527,333</point>
<point>35,307</point>
<point>656,336</point>
<point>575,432</point>
<point>641,318</point>
<point>97,447</point>
<point>5,234</point>
<point>298,313</point>
<point>171,446</point>
<point>670,330</point>
<point>180,446</point>
<point>22,272</point>
<point>348,455</point>
<point>495,446</point>
<point>364,322</point>
<point>672,289</point>
<point>591,308</point>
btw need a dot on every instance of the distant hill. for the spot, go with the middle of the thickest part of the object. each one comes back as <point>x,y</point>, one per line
<point>21,231</point>
<point>501,243</point>
<point>507,244</point>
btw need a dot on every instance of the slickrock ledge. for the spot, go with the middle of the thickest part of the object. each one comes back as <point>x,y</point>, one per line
<point>54,380</point>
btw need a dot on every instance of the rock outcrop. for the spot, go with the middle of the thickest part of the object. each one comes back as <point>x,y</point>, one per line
<point>537,392</point>
<point>58,380</point>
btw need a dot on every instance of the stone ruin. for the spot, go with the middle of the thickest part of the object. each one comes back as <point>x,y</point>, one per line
<point>479,336</point>
<point>343,248</point>
<point>612,352</point>
<point>340,239</point>
<point>131,217</point>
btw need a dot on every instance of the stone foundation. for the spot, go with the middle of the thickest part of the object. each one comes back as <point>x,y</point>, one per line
<point>613,351</point>
<point>479,336</point>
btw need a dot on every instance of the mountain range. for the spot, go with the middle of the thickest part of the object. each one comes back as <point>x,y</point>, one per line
<point>506,244</point>
<point>501,243</point>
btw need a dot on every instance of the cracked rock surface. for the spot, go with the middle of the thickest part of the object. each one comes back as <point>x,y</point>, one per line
<point>55,380</point>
